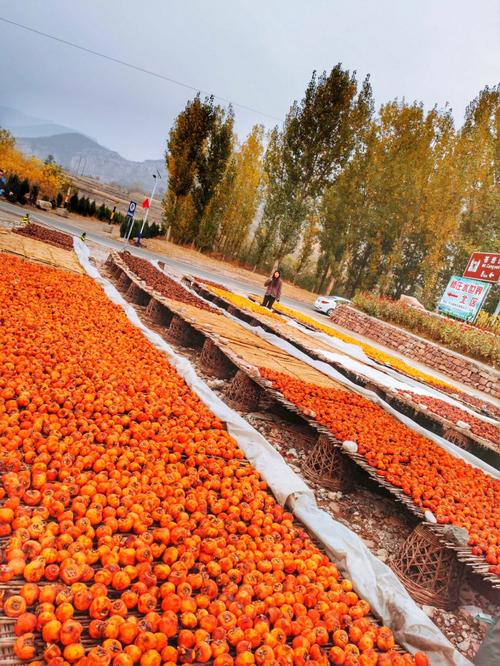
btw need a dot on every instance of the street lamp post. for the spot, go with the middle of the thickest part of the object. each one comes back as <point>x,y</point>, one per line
<point>150,202</point>
<point>156,177</point>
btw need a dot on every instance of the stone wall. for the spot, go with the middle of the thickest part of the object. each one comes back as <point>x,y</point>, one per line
<point>461,368</point>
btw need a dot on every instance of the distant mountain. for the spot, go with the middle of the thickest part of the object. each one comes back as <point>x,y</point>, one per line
<point>78,153</point>
<point>21,124</point>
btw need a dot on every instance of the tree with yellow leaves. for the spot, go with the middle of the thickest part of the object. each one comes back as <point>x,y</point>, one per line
<point>49,178</point>
<point>238,195</point>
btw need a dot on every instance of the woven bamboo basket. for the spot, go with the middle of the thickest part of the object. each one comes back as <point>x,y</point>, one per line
<point>457,438</point>
<point>243,392</point>
<point>214,362</point>
<point>183,334</point>
<point>430,572</point>
<point>328,466</point>
<point>158,313</point>
<point>138,295</point>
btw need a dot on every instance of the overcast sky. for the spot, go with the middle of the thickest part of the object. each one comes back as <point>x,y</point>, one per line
<point>259,53</point>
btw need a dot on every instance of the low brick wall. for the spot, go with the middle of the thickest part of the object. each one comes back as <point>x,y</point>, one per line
<point>449,363</point>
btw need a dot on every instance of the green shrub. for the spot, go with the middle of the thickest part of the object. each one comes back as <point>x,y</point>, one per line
<point>475,341</point>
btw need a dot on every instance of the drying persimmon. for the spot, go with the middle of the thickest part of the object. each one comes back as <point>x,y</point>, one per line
<point>145,537</point>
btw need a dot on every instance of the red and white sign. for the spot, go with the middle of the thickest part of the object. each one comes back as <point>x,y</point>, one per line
<point>484,266</point>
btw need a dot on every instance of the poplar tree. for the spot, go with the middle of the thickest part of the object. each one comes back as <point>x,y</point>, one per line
<point>478,155</point>
<point>317,139</point>
<point>198,148</point>
<point>211,166</point>
<point>238,194</point>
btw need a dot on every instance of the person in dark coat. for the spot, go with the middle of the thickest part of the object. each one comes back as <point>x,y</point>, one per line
<point>273,291</point>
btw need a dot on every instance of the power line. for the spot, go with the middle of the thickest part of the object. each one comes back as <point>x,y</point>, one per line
<point>137,68</point>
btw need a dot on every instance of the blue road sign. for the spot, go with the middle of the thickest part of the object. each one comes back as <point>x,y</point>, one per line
<point>131,209</point>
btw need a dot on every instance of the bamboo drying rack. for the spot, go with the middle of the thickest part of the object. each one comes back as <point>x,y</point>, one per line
<point>195,317</point>
<point>38,252</point>
<point>314,348</point>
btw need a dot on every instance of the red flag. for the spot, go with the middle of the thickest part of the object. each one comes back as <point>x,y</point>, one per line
<point>145,203</point>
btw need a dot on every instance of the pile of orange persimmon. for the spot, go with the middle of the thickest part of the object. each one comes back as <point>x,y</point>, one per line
<point>50,236</point>
<point>452,413</point>
<point>454,491</point>
<point>162,283</point>
<point>133,531</point>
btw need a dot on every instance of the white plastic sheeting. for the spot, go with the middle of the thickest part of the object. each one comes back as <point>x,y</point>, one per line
<point>374,580</point>
<point>352,357</point>
<point>397,384</point>
<point>351,349</point>
<point>327,369</point>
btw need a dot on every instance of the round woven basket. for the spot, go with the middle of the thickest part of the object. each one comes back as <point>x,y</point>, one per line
<point>214,362</point>
<point>158,313</point>
<point>183,334</point>
<point>430,571</point>
<point>328,466</point>
<point>243,392</point>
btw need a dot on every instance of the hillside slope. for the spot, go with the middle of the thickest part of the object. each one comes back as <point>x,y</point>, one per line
<point>77,152</point>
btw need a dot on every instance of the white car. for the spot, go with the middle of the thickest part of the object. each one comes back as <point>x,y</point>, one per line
<point>327,304</point>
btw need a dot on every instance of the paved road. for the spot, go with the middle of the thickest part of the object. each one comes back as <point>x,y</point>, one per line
<point>178,265</point>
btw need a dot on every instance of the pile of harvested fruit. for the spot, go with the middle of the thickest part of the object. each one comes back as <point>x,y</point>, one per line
<point>133,529</point>
<point>478,426</point>
<point>241,301</point>
<point>218,285</point>
<point>161,282</point>
<point>50,236</point>
<point>454,491</point>
<point>393,362</point>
